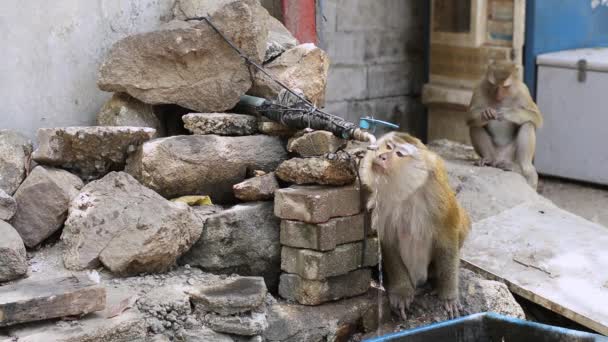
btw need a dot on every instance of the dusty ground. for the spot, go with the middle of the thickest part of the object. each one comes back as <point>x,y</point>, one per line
<point>586,200</point>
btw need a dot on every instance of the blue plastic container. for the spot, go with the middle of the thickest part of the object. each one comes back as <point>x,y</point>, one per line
<point>490,327</point>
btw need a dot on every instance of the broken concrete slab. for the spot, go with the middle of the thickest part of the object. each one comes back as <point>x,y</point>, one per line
<point>43,200</point>
<point>221,124</point>
<point>315,265</point>
<point>258,188</point>
<point>315,143</point>
<point>248,325</point>
<point>105,225</point>
<point>316,204</point>
<point>302,67</point>
<point>315,292</point>
<point>279,39</point>
<point>336,169</point>
<point>322,237</point>
<point>90,152</point>
<point>13,259</point>
<point>15,152</point>
<point>8,206</point>
<point>186,62</point>
<point>124,110</point>
<point>542,253</point>
<point>203,164</point>
<point>235,296</point>
<point>29,301</point>
<point>243,239</point>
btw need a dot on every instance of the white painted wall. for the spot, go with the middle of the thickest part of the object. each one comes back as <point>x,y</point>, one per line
<point>51,51</point>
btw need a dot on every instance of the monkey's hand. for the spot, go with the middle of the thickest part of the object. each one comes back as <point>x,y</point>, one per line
<point>452,308</point>
<point>489,114</point>
<point>400,302</point>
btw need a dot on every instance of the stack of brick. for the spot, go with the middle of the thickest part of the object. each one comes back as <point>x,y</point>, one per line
<point>322,233</point>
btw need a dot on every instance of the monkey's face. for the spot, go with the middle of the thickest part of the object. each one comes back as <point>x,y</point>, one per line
<point>501,78</point>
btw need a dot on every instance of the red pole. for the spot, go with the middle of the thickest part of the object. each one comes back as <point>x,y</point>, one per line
<point>299,16</point>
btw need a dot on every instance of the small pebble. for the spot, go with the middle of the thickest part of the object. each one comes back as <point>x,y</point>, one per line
<point>191,281</point>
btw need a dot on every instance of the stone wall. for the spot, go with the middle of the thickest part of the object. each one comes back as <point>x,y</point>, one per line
<point>377,59</point>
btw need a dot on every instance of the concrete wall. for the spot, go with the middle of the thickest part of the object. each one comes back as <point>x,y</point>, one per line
<point>377,59</point>
<point>51,51</point>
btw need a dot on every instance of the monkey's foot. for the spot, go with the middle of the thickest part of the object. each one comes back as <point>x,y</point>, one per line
<point>484,162</point>
<point>452,307</point>
<point>503,165</point>
<point>400,304</point>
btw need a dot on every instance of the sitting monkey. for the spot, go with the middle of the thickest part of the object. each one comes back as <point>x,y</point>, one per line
<point>420,225</point>
<point>503,121</point>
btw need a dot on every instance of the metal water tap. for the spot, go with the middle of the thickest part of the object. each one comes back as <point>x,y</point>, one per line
<point>367,126</point>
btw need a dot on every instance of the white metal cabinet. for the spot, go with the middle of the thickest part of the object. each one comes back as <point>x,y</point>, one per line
<point>573,143</point>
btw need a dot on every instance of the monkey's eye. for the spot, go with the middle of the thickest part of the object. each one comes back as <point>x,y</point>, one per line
<point>389,146</point>
<point>400,154</point>
<point>405,150</point>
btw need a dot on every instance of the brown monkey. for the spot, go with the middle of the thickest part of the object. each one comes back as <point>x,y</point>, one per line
<point>420,225</point>
<point>503,121</point>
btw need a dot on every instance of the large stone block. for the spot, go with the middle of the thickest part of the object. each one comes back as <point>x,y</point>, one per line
<point>220,124</point>
<point>42,201</point>
<point>303,67</point>
<point>394,79</point>
<point>8,206</point>
<point>346,83</point>
<point>316,204</point>
<point>124,110</point>
<point>322,237</point>
<point>315,265</point>
<point>243,239</point>
<point>364,15</point>
<point>90,152</point>
<point>316,143</point>
<point>187,62</point>
<point>106,224</point>
<point>337,170</point>
<point>13,260</point>
<point>203,164</point>
<point>15,152</point>
<point>233,297</point>
<point>345,48</point>
<point>315,292</point>
<point>279,39</point>
<point>383,47</point>
<point>247,325</point>
<point>258,188</point>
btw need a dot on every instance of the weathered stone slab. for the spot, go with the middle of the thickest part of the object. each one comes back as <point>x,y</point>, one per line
<point>248,325</point>
<point>279,39</point>
<point>316,265</point>
<point>315,292</point>
<point>337,170</point>
<point>106,225</point>
<point>89,151</point>
<point>233,297</point>
<point>203,164</point>
<point>303,67</point>
<point>221,124</point>
<point>243,239</point>
<point>187,62</point>
<point>15,152</point>
<point>316,143</point>
<point>124,110</point>
<point>8,206</point>
<point>13,260</point>
<point>29,301</point>
<point>316,204</point>
<point>257,188</point>
<point>43,200</point>
<point>324,236</point>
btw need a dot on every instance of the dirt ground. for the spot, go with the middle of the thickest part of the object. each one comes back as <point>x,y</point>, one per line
<point>586,200</point>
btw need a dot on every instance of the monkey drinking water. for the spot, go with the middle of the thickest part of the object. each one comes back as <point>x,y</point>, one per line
<point>503,121</point>
<point>420,225</point>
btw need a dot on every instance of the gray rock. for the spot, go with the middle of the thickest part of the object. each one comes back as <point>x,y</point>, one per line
<point>274,129</point>
<point>187,63</point>
<point>90,152</point>
<point>279,39</point>
<point>203,164</point>
<point>316,143</point>
<point>13,262</point>
<point>243,240</point>
<point>42,201</point>
<point>315,292</point>
<point>124,110</point>
<point>303,67</point>
<point>15,151</point>
<point>204,334</point>
<point>106,224</point>
<point>318,170</point>
<point>221,124</point>
<point>233,297</point>
<point>251,324</point>
<point>8,206</point>
<point>257,188</point>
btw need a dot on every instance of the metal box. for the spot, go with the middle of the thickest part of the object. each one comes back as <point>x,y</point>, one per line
<point>572,94</point>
